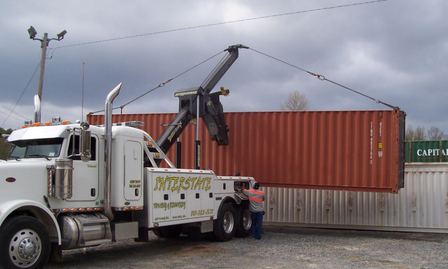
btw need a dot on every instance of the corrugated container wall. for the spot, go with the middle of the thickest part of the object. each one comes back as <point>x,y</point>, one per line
<point>420,207</point>
<point>337,150</point>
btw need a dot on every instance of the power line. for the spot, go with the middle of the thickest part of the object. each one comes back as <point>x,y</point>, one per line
<point>10,116</point>
<point>23,92</point>
<point>220,23</point>
<point>9,109</point>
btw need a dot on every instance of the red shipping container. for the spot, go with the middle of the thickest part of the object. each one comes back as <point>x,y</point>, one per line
<point>336,150</point>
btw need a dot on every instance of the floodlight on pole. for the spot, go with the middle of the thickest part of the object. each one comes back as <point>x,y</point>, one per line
<point>61,35</point>
<point>32,32</point>
<point>44,44</point>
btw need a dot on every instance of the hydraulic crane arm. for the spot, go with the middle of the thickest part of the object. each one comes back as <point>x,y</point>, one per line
<point>219,71</point>
<point>210,108</point>
<point>173,130</point>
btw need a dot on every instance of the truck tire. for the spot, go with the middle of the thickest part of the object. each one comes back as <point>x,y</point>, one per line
<point>224,226</point>
<point>243,221</point>
<point>24,243</point>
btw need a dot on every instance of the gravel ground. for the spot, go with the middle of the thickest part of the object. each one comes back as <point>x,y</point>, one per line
<point>280,247</point>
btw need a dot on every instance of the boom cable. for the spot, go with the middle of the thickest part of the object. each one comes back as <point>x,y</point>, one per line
<point>323,78</point>
<point>161,84</point>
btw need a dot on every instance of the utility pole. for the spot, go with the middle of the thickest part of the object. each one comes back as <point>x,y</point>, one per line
<point>44,44</point>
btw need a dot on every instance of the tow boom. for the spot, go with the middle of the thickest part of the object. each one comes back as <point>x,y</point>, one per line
<point>210,108</point>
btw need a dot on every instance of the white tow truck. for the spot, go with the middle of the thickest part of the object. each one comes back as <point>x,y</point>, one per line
<point>67,186</point>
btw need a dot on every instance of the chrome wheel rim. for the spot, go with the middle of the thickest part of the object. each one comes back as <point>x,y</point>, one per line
<point>25,248</point>
<point>228,222</point>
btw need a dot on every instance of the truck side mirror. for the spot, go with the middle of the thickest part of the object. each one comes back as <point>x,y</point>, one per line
<point>85,146</point>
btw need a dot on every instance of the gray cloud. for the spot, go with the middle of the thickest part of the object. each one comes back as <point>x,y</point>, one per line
<point>395,51</point>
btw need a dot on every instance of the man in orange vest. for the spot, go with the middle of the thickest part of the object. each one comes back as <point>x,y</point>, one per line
<point>256,199</point>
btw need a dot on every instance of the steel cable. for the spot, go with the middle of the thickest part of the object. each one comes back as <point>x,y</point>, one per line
<point>321,77</point>
<point>161,84</point>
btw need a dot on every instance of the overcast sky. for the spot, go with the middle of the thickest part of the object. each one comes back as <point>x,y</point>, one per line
<point>395,51</point>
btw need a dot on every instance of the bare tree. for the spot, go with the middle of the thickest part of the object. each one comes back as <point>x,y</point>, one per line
<point>410,133</point>
<point>434,133</point>
<point>420,133</point>
<point>296,102</point>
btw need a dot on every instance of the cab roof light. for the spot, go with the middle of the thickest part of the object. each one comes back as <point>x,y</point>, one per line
<point>27,123</point>
<point>56,120</point>
<point>30,124</point>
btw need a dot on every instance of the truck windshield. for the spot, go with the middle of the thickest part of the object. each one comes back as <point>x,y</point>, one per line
<point>40,148</point>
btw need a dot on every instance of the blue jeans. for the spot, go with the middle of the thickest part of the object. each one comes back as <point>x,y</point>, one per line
<point>257,224</point>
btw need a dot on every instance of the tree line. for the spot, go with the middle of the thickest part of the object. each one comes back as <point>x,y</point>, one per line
<point>419,133</point>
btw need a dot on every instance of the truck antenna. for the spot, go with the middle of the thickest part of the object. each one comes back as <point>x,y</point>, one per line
<point>82,93</point>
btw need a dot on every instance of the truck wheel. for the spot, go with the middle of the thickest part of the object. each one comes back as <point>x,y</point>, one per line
<point>24,243</point>
<point>224,226</point>
<point>243,221</point>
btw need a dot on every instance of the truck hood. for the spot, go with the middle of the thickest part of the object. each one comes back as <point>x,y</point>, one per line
<point>24,179</point>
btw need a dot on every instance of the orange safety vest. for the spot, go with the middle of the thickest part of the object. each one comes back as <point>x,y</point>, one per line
<point>256,198</point>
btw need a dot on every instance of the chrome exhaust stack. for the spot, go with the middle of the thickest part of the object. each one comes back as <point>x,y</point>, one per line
<point>108,124</point>
<point>37,109</point>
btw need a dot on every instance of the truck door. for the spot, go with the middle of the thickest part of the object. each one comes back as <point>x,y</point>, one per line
<point>133,163</point>
<point>85,174</point>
